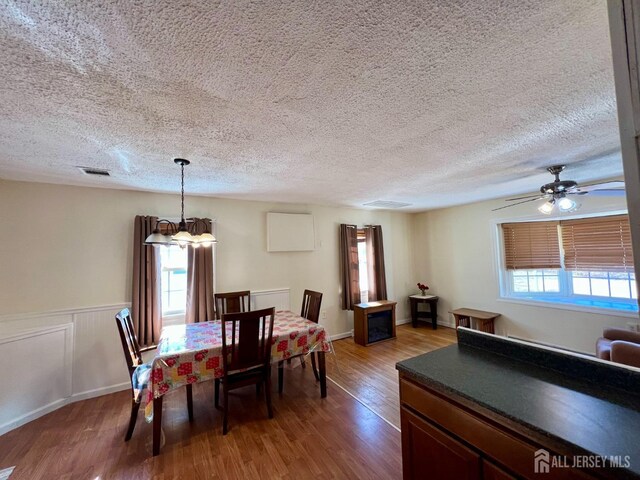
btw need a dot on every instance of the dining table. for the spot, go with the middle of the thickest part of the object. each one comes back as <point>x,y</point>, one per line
<point>192,353</point>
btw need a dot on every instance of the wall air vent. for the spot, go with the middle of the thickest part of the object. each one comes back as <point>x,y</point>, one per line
<point>386,204</point>
<point>95,171</point>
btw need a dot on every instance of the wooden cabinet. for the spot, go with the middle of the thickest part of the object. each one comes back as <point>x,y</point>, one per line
<point>493,472</point>
<point>442,439</point>
<point>374,322</point>
<point>432,454</point>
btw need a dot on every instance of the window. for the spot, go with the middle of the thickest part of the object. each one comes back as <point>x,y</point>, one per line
<point>362,266</point>
<point>586,262</point>
<point>173,280</point>
<point>536,281</point>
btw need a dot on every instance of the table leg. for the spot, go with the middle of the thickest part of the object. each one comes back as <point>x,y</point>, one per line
<point>434,315</point>
<point>414,313</point>
<point>157,424</point>
<point>280,376</point>
<point>322,370</point>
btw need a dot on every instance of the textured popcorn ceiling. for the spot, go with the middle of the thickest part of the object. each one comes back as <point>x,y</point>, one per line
<point>333,102</point>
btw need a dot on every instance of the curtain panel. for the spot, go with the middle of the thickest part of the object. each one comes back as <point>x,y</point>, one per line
<point>200,302</point>
<point>349,268</point>
<point>376,274</point>
<point>146,304</point>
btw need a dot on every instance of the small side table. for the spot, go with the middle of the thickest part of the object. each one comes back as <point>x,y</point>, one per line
<point>432,300</point>
<point>485,320</point>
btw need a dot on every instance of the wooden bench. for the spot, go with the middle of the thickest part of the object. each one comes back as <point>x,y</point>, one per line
<point>484,319</point>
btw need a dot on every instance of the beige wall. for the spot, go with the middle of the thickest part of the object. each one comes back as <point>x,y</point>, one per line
<point>70,247</point>
<point>456,255</point>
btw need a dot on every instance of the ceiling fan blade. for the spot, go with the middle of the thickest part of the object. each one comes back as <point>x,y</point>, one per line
<point>518,203</point>
<point>522,198</point>
<point>608,192</point>
<point>617,184</point>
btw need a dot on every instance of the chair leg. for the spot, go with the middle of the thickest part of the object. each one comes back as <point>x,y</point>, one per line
<point>315,368</point>
<point>217,393</point>
<point>267,390</point>
<point>280,376</point>
<point>190,401</point>
<point>135,406</point>
<point>303,364</point>
<point>157,425</point>
<point>225,415</point>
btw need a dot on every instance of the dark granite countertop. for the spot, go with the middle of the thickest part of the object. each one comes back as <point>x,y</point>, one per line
<point>588,417</point>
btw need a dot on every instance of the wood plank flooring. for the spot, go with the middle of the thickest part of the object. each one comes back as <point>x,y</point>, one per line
<point>336,437</point>
<point>369,373</point>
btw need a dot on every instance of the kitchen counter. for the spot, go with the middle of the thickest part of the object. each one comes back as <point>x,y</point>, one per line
<point>585,405</point>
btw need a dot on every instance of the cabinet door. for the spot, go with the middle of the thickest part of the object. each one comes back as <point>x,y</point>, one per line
<point>493,472</point>
<point>428,453</point>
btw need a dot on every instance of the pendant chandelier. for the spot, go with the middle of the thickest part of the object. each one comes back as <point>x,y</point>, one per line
<point>182,234</point>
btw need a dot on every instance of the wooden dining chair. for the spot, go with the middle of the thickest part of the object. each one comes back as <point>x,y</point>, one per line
<point>138,370</point>
<point>232,302</point>
<point>310,310</point>
<point>246,355</point>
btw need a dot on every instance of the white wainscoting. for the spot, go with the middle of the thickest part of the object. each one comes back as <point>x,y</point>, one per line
<point>52,359</point>
<point>36,373</point>
<point>278,298</point>
<point>55,358</point>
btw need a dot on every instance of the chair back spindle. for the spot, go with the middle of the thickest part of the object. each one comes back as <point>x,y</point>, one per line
<point>311,305</point>
<point>232,302</point>
<point>251,334</point>
<point>129,341</point>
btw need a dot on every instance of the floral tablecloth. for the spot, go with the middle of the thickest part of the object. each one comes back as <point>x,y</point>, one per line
<point>193,353</point>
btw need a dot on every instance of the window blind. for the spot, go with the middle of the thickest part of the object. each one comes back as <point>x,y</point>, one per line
<point>598,244</point>
<point>531,245</point>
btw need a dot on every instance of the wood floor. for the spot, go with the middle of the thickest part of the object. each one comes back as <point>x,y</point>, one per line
<point>336,437</point>
<point>369,373</point>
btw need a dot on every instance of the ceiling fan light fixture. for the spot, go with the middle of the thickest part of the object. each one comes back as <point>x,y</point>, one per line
<point>547,207</point>
<point>566,204</point>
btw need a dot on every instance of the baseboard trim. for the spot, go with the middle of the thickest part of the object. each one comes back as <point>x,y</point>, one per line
<point>77,397</point>
<point>340,336</point>
<point>98,392</point>
<point>440,322</point>
<point>28,417</point>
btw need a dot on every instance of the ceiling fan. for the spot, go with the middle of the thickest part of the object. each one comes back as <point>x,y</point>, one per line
<point>557,193</point>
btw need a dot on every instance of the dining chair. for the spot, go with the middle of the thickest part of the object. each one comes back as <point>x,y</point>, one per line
<point>310,310</point>
<point>246,354</point>
<point>232,302</point>
<point>138,370</point>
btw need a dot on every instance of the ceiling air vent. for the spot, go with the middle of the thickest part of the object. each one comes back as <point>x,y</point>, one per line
<point>95,171</point>
<point>386,204</point>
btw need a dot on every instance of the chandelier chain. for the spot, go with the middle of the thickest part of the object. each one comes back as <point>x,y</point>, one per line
<point>182,192</point>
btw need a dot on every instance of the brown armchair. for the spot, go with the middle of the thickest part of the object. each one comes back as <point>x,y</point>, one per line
<point>619,346</point>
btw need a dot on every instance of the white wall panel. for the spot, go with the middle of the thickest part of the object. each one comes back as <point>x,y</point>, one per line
<point>278,298</point>
<point>36,374</point>
<point>98,359</point>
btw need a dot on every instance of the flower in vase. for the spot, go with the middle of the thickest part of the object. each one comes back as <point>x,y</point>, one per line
<point>423,288</point>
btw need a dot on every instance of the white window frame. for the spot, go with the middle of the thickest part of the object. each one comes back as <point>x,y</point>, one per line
<point>566,288</point>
